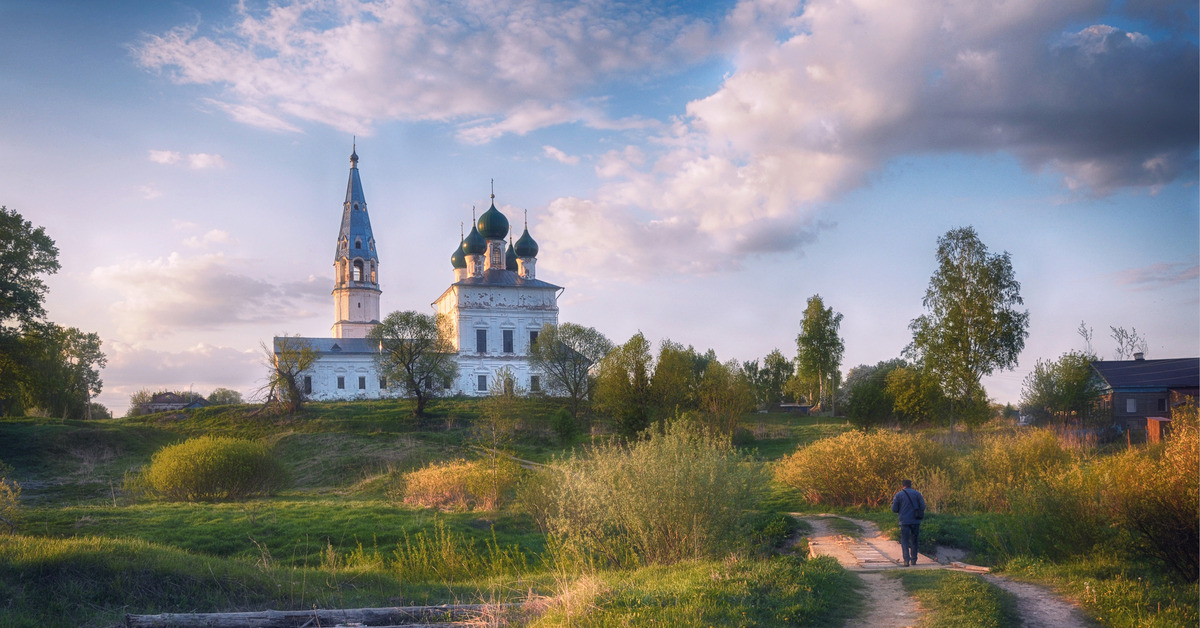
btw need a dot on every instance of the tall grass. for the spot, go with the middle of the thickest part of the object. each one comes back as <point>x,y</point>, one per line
<point>459,484</point>
<point>671,496</point>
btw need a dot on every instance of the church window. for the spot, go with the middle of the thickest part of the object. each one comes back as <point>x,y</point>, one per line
<point>382,383</point>
<point>480,341</point>
<point>341,382</point>
<point>308,384</point>
<point>532,337</point>
<point>358,243</point>
<point>482,383</point>
<point>358,270</point>
<point>508,341</point>
<point>535,383</point>
<point>362,383</point>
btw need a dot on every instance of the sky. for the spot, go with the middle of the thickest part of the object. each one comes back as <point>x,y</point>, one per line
<point>692,170</point>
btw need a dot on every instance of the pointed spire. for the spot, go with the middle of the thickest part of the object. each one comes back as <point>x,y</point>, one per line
<point>354,154</point>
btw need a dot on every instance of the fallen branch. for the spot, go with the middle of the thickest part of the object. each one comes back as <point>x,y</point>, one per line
<point>408,616</point>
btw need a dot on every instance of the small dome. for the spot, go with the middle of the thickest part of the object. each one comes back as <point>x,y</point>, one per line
<point>526,247</point>
<point>474,244</point>
<point>492,224</point>
<point>510,258</point>
<point>458,259</point>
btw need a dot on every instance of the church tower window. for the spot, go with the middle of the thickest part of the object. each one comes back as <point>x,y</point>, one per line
<point>358,270</point>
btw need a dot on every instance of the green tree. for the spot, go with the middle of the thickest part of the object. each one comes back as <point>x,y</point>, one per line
<point>770,379</point>
<point>623,386</point>
<point>501,418</point>
<point>224,397</point>
<point>725,395</point>
<point>287,361</point>
<point>1061,389</point>
<point>417,351</point>
<point>63,371</point>
<point>565,354</point>
<point>26,254</point>
<point>673,385</point>
<point>866,400</point>
<point>972,326</point>
<point>820,348</point>
<point>915,395</point>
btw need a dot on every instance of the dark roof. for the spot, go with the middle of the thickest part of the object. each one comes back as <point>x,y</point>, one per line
<point>336,345</point>
<point>497,277</point>
<point>1170,373</point>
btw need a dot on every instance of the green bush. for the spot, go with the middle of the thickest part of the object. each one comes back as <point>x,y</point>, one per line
<point>1056,516</point>
<point>211,468</point>
<point>10,499</point>
<point>856,468</point>
<point>671,496</point>
<point>565,426</point>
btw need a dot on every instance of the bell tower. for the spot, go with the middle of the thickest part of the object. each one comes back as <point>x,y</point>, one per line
<point>355,265</point>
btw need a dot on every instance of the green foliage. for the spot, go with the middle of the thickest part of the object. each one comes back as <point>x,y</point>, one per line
<point>565,355</point>
<point>448,556</point>
<point>287,361</point>
<point>672,496</point>
<point>1060,390</point>
<point>416,353</point>
<point>1056,516</point>
<point>26,253</point>
<point>214,469</point>
<point>674,385</point>
<point>10,498</point>
<point>769,380</point>
<point>62,369</point>
<point>565,426</point>
<point>960,600</point>
<point>819,349</point>
<point>224,396</point>
<point>916,396</point>
<point>856,468</point>
<point>623,386</point>
<point>1003,465</point>
<point>724,395</point>
<point>972,326</point>
<point>1155,495</point>
<point>865,397</point>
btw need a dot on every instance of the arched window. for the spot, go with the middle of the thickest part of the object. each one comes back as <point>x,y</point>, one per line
<point>358,270</point>
<point>358,243</point>
<point>373,279</point>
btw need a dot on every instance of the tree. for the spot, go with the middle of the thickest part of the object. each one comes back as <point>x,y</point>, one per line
<point>26,253</point>
<point>673,385</point>
<point>224,397</point>
<point>866,400</point>
<point>1129,343</point>
<point>972,326</point>
<point>416,350</point>
<point>915,395</point>
<point>291,357</point>
<point>623,386</point>
<point>819,348</point>
<point>769,380</point>
<point>1061,389</point>
<point>62,369</point>
<point>725,395</point>
<point>565,354</point>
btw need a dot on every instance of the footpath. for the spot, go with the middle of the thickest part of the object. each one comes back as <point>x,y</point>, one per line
<point>872,556</point>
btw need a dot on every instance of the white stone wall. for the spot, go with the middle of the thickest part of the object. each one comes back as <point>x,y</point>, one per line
<point>350,367</point>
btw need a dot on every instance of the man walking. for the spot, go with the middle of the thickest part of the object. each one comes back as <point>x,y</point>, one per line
<point>910,505</point>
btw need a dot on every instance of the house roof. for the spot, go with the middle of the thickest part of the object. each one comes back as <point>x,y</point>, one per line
<point>1162,374</point>
<point>336,345</point>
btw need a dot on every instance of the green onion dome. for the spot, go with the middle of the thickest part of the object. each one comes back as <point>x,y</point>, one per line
<point>526,247</point>
<point>458,259</point>
<point>492,224</point>
<point>474,244</point>
<point>510,258</point>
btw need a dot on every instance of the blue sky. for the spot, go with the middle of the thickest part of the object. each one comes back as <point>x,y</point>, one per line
<point>695,171</point>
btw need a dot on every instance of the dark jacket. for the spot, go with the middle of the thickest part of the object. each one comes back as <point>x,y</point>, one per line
<point>906,505</point>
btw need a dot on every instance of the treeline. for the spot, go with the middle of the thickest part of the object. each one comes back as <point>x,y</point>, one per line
<point>45,368</point>
<point>218,397</point>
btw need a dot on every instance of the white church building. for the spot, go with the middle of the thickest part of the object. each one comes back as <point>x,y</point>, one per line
<point>495,307</point>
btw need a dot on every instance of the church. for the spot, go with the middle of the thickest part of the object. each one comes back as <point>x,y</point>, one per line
<point>495,307</point>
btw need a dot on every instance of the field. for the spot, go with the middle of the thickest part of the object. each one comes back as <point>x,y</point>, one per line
<point>92,545</point>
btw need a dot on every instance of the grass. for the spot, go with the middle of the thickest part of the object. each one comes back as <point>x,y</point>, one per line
<point>781,591</point>
<point>960,600</point>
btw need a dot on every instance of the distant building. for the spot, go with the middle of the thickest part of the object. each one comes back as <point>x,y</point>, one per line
<point>167,401</point>
<point>495,306</point>
<point>1132,391</point>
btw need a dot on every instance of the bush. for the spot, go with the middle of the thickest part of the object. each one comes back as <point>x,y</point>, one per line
<point>211,468</point>
<point>565,426</point>
<point>674,495</point>
<point>856,468</point>
<point>461,484</point>
<point>1155,495</point>
<point>1005,465</point>
<point>1055,516</point>
<point>10,498</point>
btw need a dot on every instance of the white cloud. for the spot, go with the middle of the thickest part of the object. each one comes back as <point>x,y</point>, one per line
<point>210,238</point>
<point>202,161</point>
<point>160,297</point>
<point>525,63</point>
<point>149,192</point>
<point>167,157</point>
<point>559,156</point>
<point>824,93</point>
<point>201,368</point>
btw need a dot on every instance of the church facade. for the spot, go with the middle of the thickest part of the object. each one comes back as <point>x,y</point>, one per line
<point>494,307</point>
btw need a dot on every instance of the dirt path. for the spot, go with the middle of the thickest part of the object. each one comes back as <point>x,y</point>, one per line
<point>888,606</point>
